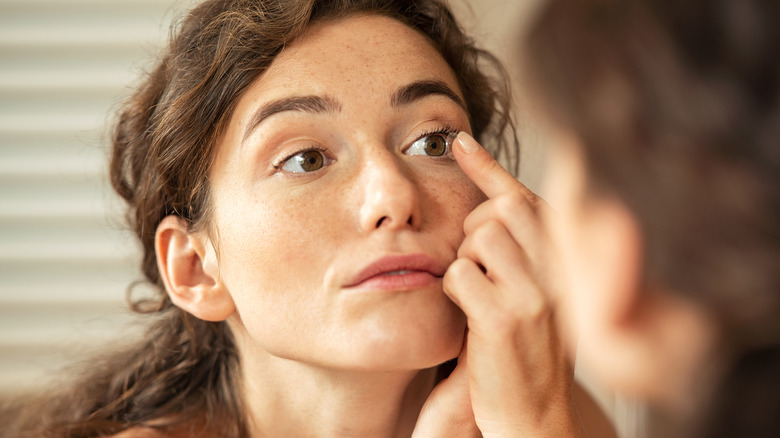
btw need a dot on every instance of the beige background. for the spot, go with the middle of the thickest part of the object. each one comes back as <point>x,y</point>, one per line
<point>65,259</point>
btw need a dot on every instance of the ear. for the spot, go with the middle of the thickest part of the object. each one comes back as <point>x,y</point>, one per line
<point>616,242</point>
<point>607,280</point>
<point>651,340</point>
<point>188,266</point>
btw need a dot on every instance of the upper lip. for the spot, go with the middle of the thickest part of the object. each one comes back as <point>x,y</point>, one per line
<point>403,262</point>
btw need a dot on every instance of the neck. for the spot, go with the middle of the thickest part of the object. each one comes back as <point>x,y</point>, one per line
<point>289,398</point>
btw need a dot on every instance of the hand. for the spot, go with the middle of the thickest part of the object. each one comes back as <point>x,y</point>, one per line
<point>447,411</point>
<point>519,377</point>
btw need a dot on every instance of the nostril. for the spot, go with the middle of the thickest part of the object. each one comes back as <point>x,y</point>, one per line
<point>385,220</point>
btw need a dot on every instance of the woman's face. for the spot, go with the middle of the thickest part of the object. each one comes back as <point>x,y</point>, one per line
<point>335,212</point>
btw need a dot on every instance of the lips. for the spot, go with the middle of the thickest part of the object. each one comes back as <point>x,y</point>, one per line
<point>398,272</point>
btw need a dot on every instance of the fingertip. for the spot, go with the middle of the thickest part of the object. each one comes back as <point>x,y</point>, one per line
<point>481,167</point>
<point>472,158</point>
<point>466,143</point>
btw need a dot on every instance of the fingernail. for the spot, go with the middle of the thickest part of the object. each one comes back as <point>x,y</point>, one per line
<point>467,143</point>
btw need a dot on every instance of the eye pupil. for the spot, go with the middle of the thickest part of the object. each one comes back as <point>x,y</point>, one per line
<point>311,160</point>
<point>435,146</point>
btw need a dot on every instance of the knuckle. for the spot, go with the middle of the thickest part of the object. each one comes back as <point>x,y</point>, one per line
<point>455,272</point>
<point>506,323</point>
<point>449,280</point>
<point>487,232</point>
<point>511,201</point>
<point>512,205</point>
<point>535,308</point>
<point>471,222</point>
<point>536,201</point>
<point>466,249</point>
<point>528,306</point>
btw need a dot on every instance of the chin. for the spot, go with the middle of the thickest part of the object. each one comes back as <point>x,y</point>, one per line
<point>416,347</point>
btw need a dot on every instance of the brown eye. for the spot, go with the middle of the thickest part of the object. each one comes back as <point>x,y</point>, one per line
<point>305,161</point>
<point>435,145</point>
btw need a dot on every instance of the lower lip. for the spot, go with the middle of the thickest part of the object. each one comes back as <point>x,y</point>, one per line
<point>411,280</point>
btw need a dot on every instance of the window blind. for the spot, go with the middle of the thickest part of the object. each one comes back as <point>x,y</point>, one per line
<point>65,258</point>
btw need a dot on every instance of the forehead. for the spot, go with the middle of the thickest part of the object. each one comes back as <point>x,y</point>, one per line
<point>354,56</point>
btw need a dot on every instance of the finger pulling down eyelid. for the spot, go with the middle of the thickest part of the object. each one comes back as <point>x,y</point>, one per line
<point>506,209</point>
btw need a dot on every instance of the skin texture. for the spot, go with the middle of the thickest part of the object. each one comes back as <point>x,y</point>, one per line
<point>288,244</point>
<point>283,246</point>
<point>322,356</point>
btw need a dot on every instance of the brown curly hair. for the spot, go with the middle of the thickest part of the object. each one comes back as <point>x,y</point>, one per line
<point>182,379</point>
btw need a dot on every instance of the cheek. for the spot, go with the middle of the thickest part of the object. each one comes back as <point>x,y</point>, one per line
<point>274,244</point>
<point>456,198</point>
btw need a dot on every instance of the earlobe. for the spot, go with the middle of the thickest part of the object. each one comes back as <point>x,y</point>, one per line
<point>641,332</point>
<point>187,265</point>
<point>619,246</point>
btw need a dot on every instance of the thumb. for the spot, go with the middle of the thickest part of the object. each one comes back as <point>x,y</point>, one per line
<point>447,411</point>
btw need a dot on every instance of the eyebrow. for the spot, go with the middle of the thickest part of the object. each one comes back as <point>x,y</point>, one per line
<point>307,104</point>
<point>420,89</point>
<point>314,104</point>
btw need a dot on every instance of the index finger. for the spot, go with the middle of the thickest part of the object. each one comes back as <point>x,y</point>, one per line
<point>484,170</point>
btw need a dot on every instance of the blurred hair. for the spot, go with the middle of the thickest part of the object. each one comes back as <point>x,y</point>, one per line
<point>182,379</point>
<point>676,105</point>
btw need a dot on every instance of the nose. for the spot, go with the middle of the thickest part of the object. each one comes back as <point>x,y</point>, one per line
<point>391,199</point>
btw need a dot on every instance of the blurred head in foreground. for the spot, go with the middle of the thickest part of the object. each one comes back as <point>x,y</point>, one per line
<point>666,173</point>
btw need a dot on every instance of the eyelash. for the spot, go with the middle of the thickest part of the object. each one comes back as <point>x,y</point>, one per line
<point>444,130</point>
<point>278,165</point>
